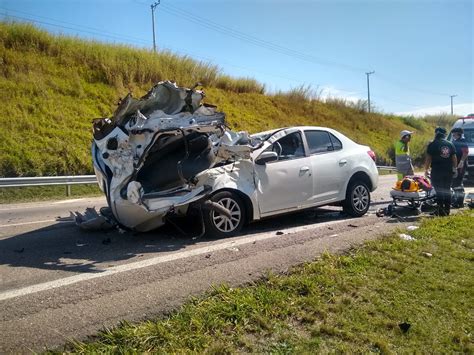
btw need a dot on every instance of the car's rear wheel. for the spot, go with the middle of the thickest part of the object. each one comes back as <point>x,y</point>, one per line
<point>357,201</point>
<point>220,224</point>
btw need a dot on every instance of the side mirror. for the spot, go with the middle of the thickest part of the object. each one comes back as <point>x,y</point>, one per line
<point>266,157</point>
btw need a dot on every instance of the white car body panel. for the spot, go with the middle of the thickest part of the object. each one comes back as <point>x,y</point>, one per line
<point>283,185</point>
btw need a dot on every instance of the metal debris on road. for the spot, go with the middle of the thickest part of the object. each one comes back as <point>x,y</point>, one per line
<point>92,220</point>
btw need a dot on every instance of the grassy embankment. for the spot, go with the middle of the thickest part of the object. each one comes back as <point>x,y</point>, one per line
<point>341,303</point>
<point>52,86</point>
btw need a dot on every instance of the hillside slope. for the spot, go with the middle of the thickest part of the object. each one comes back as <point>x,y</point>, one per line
<point>53,86</point>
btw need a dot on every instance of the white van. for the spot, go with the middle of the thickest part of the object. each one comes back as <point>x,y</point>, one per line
<point>467,124</point>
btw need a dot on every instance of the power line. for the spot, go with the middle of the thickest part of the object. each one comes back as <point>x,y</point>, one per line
<point>100,32</point>
<point>187,53</point>
<point>252,39</point>
<point>173,10</point>
<point>409,87</point>
<point>120,36</point>
<point>93,29</point>
<point>65,27</point>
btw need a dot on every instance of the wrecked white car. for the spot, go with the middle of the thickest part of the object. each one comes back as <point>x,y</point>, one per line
<point>168,154</point>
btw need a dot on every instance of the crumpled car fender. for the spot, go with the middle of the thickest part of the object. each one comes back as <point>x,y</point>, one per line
<point>236,176</point>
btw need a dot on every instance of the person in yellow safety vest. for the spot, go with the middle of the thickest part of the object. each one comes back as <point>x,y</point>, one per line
<point>402,155</point>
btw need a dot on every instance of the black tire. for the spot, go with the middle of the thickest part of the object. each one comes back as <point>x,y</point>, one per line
<point>357,200</point>
<point>218,225</point>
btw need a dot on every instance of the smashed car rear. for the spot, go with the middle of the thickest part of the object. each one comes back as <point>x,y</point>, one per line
<point>149,156</point>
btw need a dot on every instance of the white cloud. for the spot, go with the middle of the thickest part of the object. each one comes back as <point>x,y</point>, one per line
<point>330,92</point>
<point>459,110</point>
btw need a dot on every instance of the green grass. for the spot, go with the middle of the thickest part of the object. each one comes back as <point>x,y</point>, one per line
<point>46,193</point>
<point>53,86</point>
<point>349,303</point>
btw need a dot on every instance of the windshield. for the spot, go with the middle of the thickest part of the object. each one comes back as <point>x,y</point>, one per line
<point>263,136</point>
<point>469,135</point>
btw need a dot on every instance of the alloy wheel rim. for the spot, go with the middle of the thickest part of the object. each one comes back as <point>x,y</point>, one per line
<point>360,198</point>
<point>222,222</point>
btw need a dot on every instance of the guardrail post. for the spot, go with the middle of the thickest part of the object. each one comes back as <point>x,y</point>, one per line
<point>68,190</point>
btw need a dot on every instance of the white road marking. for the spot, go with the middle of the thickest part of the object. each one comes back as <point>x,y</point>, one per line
<point>33,222</point>
<point>156,260</point>
<point>30,205</point>
<point>68,201</point>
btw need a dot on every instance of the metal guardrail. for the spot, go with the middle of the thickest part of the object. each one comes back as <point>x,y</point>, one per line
<point>76,179</point>
<point>389,168</point>
<point>49,180</point>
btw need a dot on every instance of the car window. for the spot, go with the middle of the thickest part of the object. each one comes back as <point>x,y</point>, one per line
<point>288,147</point>
<point>319,142</point>
<point>336,143</point>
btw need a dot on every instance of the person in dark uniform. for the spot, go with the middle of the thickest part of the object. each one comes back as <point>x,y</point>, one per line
<point>441,156</point>
<point>462,152</point>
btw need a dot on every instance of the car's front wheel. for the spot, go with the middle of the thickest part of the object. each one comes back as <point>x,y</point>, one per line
<point>226,220</point>
<point>357,201</point>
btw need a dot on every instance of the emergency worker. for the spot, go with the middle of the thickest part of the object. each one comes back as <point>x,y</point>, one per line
<point>441,156</point>
<point>462,152</point>
<point>402,155</point>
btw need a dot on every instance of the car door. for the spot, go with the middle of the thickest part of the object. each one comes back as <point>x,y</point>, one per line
<point>286,183</point>
<point>329,165</point>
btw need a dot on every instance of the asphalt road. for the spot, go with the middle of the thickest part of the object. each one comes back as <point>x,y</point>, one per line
<point>58,282</point>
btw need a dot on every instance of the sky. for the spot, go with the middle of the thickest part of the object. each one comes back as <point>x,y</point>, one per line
<point>421,51</point>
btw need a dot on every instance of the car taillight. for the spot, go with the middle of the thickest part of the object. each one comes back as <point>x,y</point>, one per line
<point>372,154</point>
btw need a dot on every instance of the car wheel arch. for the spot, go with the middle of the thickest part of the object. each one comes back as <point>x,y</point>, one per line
<point>360,175</point>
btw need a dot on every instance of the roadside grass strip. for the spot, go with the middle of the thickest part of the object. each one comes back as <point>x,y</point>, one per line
<point>391,295</point>
<point>46,193</point>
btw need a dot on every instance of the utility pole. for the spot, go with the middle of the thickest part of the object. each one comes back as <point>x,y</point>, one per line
<point>368,89</point>
<point>452,103</point>
<point>153,7</point>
